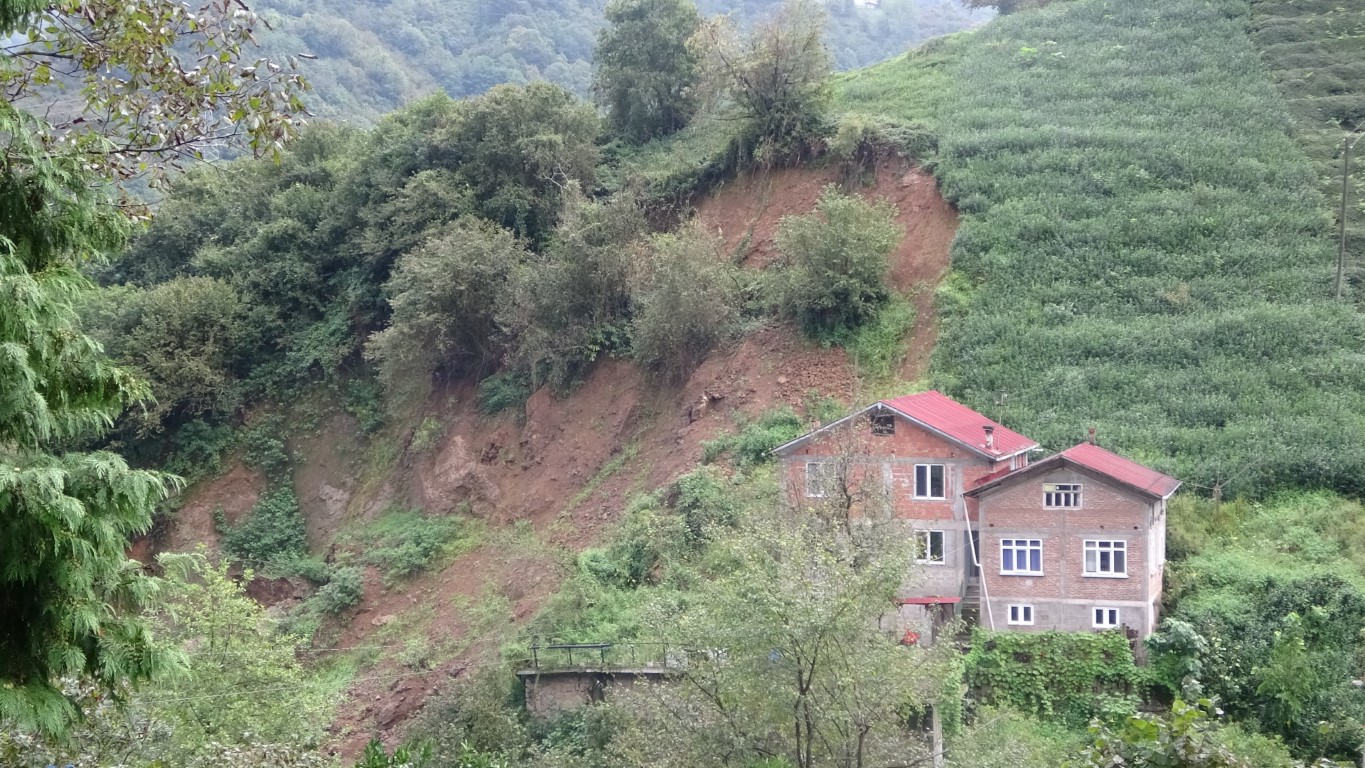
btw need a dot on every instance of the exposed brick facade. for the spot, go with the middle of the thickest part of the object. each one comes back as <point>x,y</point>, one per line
<point>1064,596</point>
<point>1000,498</point>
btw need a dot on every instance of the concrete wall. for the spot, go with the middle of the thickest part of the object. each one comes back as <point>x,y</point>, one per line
<point>549,693</point>
<point>1063,596</point>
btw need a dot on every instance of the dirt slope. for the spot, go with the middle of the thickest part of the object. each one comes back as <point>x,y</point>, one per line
<point>552,481</point>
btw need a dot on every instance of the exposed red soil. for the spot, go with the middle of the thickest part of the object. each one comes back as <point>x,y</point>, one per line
<point>753,205</point>
<point>234,492</point>
<point>567,466</point>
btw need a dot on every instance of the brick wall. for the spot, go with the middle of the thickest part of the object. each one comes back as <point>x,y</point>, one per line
<point>1062,594</point>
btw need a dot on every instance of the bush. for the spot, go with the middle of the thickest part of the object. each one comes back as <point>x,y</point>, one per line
<point>836,263</point>
<point>756,440</point>
<point>343,590</point>
<point>444,297</point>
<point>402,543</point>
<point>878,347</point>
<point>572,303</point>
<point>686,301</point>
<point>272,530</point>
<point>508,389</point>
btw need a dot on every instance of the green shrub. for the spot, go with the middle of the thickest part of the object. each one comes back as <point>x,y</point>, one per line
<point>756,439</point>
<point>265,451</point>
<point>343,590</point>
<point>835,264</point>
<point>273,529</point>
<point>507,389</point>
<point>686,300</point>
<point>878,347</point>
<point>403,543</point>
<point>1069,677</point>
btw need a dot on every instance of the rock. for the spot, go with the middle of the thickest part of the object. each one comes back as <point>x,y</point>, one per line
<point>380,621</point>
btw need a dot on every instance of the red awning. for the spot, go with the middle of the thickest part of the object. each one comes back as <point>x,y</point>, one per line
<point>927,600</point>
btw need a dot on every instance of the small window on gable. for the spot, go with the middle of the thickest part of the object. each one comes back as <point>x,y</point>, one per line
<point>1106,618</point>
<point>1062,495</point>
<point>1021,614</point>
<point>883,424</point>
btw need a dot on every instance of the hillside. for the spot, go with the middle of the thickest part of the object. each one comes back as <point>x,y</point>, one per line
<point>484,375</point>
<point>1144,247</point>
<point>375,57</point>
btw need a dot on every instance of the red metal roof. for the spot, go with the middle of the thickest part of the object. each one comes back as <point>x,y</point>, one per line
<point>959,422</point>
<point>1125,471</point>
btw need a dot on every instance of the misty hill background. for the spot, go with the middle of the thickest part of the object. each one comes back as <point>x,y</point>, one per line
<point>374,56</point>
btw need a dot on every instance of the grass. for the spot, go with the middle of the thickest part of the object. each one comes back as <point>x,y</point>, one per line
<point>1143,246</point>
<point>1315,51</point>
<point>403,543</point>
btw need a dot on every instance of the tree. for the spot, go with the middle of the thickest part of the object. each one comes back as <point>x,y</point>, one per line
<point>1006,6</point>
<point>445,296</point>
<point>782,658</point>
<point>836,262</point>
<point>214,715</point>
<point>519,148</point>
<point>572,303</point>
<point>776,76</point>
<point>158,110</point>
<point>686,301</point>
<point>69,595</point>
<point>646,74</point>
<point>189,337</point>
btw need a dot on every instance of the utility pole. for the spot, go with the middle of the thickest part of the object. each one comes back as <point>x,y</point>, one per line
<point>1341,217</point>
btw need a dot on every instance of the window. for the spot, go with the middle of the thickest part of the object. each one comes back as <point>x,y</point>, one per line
<point>1062,495</point>
<point>1021,556</point>
<point>929,481</point>
<point>883,424</point>
<point>1021,614</point>
<point>1106,618</point>
<point>929,547</point>
<point>817,478</point>
<point>1106,558</point>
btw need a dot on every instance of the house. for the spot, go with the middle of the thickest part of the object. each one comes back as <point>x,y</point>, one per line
<point>1074,541</point>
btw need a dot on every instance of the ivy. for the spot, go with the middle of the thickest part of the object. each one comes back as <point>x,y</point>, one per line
<point>1070,677</point>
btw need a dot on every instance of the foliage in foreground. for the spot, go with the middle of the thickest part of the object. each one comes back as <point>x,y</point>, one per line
<point>1276,595</point>
<point>211,712</point>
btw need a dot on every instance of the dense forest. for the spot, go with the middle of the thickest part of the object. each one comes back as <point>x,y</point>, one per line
<point>374,57</point>
<point>1144,245</point>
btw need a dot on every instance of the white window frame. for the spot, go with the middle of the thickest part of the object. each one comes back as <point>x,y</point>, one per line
<point>1020,614</point>
<point>821,478</point>
<point>1055,493</point>
<point>923,548</point>
<point>1100,547</point>
<point>1021,545</point>
<point>1101,613</point>
<point>929,481</point>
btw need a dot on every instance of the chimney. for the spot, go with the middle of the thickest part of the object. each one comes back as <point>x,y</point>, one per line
<point>1092,436</point>
<point>990,436</point>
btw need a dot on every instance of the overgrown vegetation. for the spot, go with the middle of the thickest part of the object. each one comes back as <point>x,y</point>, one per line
<point>402,543</point>
<point>1276,593</point>
<point>1067,677</point>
